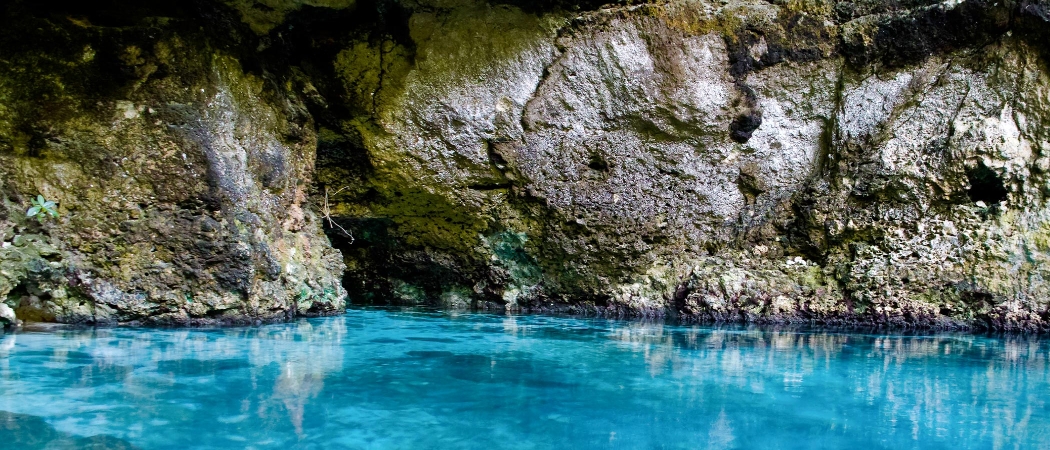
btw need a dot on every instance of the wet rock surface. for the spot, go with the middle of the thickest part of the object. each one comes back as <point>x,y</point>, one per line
<point>868,162</point>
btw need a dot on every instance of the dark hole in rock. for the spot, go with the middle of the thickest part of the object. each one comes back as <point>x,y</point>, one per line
<point>750,183</point>
<point>377,256</point>
<point>598,163</point>
<point>970,297</point>
<point>33,302</point>
<point>985,185</point>
<point>745,125</point>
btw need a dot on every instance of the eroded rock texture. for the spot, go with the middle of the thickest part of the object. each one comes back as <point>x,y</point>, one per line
<point>181,180</point>
<point>869,162</point>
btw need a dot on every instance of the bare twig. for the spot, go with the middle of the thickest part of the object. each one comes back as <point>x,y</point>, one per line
<point>326,210</point>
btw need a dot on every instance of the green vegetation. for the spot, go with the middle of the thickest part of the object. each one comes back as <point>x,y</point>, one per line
<point>42,209</point>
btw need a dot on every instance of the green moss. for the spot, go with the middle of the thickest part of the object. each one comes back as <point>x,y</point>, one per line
<point>450,52</point>
<point>819,8</point>
<point>456,298</point>
<point>813,277</point>
<point>694,18</point>
<point>371,71</point>
<point>1040,237</point>
<point>509,248</point>
<point>265,15</point>
<point>425,219</point>
<point>409,293</point>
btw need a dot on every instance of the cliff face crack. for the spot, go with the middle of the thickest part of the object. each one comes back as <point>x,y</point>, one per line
<point>826,164</point>
<point>957,112</point>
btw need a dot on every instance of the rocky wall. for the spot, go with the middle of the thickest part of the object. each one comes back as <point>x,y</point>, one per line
<point>181,181</point>
<point>859,163</point>
<point>831,162</point>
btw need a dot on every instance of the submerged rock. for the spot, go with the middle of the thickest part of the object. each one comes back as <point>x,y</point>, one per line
<point>877,163</point>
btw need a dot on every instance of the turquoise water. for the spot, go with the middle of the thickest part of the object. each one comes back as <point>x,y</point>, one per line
<point>414,380</point>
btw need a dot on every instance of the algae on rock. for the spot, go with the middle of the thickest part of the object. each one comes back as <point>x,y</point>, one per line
<point>608,139</point>
<point>182,186</point>
<point>862,162</point>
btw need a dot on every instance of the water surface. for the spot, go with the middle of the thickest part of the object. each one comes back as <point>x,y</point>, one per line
<point>414,380</point>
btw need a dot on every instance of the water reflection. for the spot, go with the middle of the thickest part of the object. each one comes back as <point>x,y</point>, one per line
<point>378,379</point>
<point>304,355</point>
<point>28,432</point>
<point>145,379</point>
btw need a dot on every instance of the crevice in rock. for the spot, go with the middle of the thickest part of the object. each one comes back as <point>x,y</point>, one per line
<point>490,186</point>
<point>31,302</point>
<point>598,163</point>
<point>544,6</point>
<point>309,40</point>
<point>500,169</point>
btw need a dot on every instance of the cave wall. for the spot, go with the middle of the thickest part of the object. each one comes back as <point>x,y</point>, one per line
<point>181,179</point>
<point>865,163</point>
<point>860,163</point>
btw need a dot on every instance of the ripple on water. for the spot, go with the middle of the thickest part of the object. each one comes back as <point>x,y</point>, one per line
<point>29,432</point>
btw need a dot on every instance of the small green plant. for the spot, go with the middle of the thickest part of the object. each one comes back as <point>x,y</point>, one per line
<point>42,209</point>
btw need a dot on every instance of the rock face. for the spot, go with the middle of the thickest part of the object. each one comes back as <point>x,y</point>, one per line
<point>7,317</point>
<point>181,180</point>
<point>873,163</point>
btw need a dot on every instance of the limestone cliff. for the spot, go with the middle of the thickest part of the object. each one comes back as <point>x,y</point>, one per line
<point>181,180</point>
<point>869,162</point>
